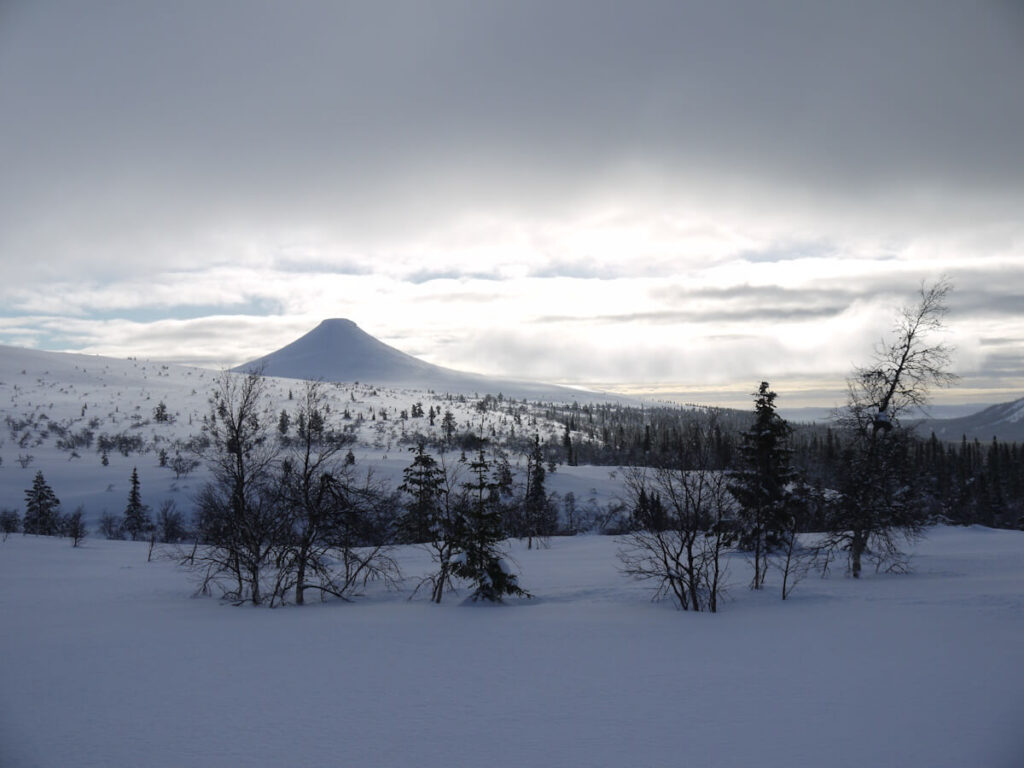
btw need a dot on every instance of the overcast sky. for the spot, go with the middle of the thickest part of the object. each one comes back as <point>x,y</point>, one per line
<point>675,197</point>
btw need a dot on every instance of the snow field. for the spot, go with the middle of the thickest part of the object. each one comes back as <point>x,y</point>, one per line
<point>108,661</point>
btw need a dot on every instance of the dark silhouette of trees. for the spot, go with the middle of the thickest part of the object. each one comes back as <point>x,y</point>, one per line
<point>237,516</point>
<point>42,509</point>
<point>479,558</point>
<point>137,522</point>
<point>880,498</point>
<point>684,520</point>
<point>761,483</point>
<point>74,526</point>
<point>432,517</point>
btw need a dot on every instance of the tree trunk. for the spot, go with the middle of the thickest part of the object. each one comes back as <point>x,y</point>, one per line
<point>857,546</point>
<point>300,581</point>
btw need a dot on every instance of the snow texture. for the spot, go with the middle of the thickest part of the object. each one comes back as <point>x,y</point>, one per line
<point>108,662</point>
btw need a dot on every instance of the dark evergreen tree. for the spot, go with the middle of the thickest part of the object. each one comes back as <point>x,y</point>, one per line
<point>160,413</point>
<point>432,517</point>
<point>136,514</point>
<point>479,559</point>
<point>448,426</point>
<point>538,516</point>
<point>42,509</point>
<point>760,483</point>
<point>423,484</point>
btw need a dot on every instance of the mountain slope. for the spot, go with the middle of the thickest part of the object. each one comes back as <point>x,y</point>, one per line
<point>338,350</point>
<point>1004,421</point>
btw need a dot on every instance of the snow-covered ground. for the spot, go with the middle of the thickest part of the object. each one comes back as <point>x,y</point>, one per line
<point>107,660</point>
<point>46,398</point>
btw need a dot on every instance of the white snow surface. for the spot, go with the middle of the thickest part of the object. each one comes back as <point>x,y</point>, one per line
<point>44,392</point>
<point>107,660</point>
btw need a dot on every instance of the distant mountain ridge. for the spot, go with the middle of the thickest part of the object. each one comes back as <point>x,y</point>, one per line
<point>339,350</point>
<point>1004,421</point>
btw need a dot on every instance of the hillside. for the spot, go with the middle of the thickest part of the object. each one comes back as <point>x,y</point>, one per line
<point>1004,421</point>
<point>86,421</point>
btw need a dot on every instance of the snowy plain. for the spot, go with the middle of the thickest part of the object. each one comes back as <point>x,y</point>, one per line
<point>108,660</point>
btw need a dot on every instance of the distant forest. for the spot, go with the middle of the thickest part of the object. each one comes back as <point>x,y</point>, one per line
<point>966,482</point>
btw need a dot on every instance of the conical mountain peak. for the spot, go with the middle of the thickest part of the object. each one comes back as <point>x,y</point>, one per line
<point>339,350</point>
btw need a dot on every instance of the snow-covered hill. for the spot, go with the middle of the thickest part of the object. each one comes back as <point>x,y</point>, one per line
<point>1004,421</point>
<point>86,421</point>
<point>338,350</point>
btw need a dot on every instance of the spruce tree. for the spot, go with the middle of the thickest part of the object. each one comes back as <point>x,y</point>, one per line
<point>423,483</point>
<point>136,515</point>
<point>760,484</point>
<point>479,559</point>
<point>537,511</point>
<point>432,518</point>
<point>42,509</point>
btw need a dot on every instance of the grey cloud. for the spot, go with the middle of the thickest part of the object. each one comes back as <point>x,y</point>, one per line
<point>996,301</point>
<point>1001,342</point>
<point>586,270</point>
<point>789,252</point>
<point>319,265</point>
<point>429,275</point>
<point>140,119</point>
<point>755,294</point>
<point>752,314</point>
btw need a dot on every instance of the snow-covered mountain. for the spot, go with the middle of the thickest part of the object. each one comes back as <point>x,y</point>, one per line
<point>1004,421</point>
<point>338,350</point>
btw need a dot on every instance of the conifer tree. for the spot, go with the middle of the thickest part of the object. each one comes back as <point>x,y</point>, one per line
<point>479,559</point>
<point>432,517</point>
<point>423,483</point>
<point>536,510</point>
<point>448,426</point>
<point>760,484</point>
<point>136,514</point>
<point>42,509</point>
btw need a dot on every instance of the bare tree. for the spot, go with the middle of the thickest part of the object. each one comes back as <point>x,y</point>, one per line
<point>10,522</point>
<point>334,542</point>
<point>110,526</point>
<point>684,517</point>
<point>74,526</point>
<point>170,523</point>
<point>308,480</point>
<point>877,506</point>
<point>238,518</point>
<point>904,368</point>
